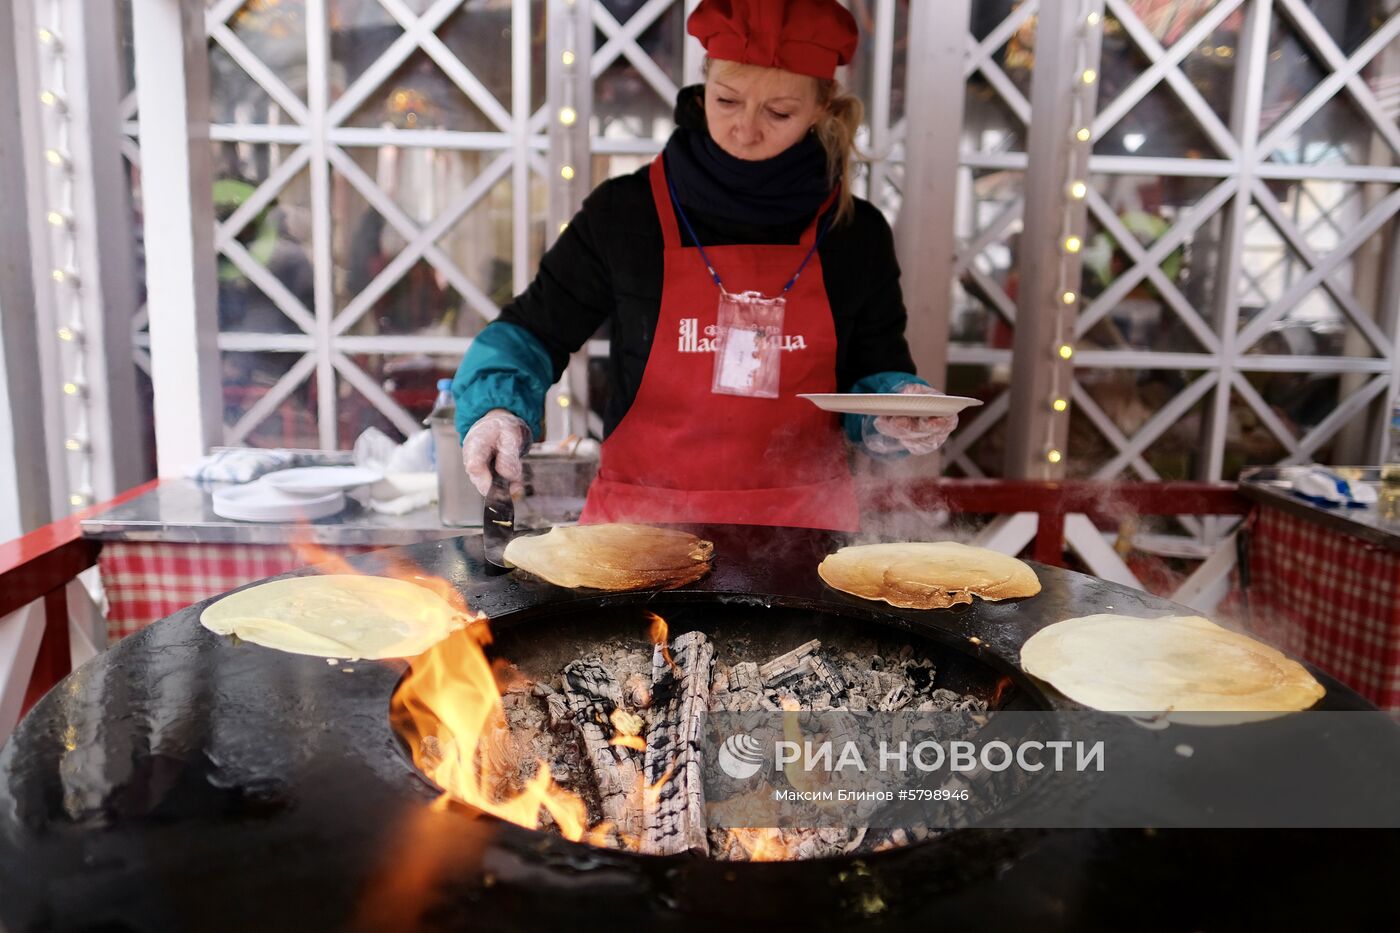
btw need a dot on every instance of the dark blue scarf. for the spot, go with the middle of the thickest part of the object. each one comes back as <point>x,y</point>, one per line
<point>781,190</point>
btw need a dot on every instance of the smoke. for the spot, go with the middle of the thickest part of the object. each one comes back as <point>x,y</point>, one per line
<point>891,511</point>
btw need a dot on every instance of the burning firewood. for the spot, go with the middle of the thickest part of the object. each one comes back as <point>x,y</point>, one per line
<point>621,726</point>
<point>674,766</point>
<point>593,694</point>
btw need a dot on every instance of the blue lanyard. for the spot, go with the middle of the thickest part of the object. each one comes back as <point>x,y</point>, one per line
<point>823,227</point>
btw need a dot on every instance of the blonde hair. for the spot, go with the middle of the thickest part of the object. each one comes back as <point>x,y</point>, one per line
<point>836,128</point>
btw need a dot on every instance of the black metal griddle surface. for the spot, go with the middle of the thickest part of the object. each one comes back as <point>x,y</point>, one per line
<point>181,781</point>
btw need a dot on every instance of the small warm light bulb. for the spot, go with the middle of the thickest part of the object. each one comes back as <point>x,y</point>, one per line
<point>567,173</point>
<point>73,444</point>
<point>1053,456</point>
<point>567,57</point>
<point>59,276</point>
<point>67,334</point>
<point>1089,76</point>
<point>58,219</point>
<point>563,225</point>
<point>1083,134</point>
<point>77,499</point>
<point>55,158</point>
<point>46,37</point>
<point>568,116</point>
<point>1078,190</point>
<point>1059,404</point>
<point>1066,351</point>
<point>563,401</point>
<point>72,388</point>
<point>1092,19</point>
<point>1068,297</point>
<point>52,99</point>
<point>1072,244</point>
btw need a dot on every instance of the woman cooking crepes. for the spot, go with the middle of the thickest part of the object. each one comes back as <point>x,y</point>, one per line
<point>737,271</point>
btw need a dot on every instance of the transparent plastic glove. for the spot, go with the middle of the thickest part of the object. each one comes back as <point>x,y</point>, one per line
<point>500,436</point>
<point>893,433</point>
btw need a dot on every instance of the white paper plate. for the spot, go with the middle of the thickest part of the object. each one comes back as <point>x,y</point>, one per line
<point>258,502</point>
<point>872,403</point>
<point>319,480</point>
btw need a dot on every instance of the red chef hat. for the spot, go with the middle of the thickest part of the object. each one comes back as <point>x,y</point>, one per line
<point>808,37</point>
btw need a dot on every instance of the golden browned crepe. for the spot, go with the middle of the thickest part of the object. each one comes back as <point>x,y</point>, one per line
<point>613,556</point>
<point>336,616</point>
<point>926,574</point>
<point>1174,665</point>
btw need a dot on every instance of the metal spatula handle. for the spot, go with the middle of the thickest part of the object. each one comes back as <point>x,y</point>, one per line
<point>497,520</point>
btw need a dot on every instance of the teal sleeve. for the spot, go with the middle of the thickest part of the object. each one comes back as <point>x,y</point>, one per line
<point>857,426</point>
<point>505,367</point>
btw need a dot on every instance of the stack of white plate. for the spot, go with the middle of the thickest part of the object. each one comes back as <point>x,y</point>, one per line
<point>302,494</point>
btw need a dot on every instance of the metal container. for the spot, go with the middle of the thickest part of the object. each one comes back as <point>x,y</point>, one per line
<point>556,483</point>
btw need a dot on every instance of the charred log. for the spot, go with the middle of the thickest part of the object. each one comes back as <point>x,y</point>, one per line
<point>593,695</point>
<point>674,765</point>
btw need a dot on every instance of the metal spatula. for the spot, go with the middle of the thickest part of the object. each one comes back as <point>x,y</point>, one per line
<point>497,521</point>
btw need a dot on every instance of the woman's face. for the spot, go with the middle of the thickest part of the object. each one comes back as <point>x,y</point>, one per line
<point>755,113</point>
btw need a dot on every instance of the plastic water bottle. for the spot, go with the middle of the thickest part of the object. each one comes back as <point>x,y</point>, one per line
<point>458,501</point>
<point>1390,468</point>
<point>444,397</point>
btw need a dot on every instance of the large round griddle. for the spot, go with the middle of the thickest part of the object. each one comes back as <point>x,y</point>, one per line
<point>181,781</point>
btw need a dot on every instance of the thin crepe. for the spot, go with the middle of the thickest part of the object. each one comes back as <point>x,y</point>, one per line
<point>612,557</point>
<point>926,574</point>
<point>336,616</point>
<point>1176,666</point>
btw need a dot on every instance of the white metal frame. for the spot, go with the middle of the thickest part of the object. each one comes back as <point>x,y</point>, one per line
<point>24,493</point>
<point>525,145</point>
<point>80,245</point>
<point>528,145</point>
<point>1243,171</point>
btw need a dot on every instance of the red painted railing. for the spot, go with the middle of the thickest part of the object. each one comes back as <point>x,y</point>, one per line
<point>1103,503</point>
<point>39,566</point>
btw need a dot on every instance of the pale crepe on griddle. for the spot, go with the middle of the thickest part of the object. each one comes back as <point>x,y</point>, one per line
<point>612,556</point>
<point>1174,665</point>
<point>336,616</point>
<point>927,574</point>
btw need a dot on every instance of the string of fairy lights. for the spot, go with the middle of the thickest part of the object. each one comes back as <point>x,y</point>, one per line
<point>1071,242</point>
<point>570,147</point>
<point>568,108</point>
<point>67,284</point>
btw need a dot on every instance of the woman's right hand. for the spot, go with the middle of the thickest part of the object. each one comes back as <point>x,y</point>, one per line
<point>500,436</point>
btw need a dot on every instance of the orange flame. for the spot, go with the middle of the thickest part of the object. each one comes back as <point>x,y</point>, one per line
<point>626,730</point>
<point>450,700</point>
<point>659,633</point>
<point>328,561</point>
<point>1003,684</point>
<point>761,844</point>
<point>451,693</point>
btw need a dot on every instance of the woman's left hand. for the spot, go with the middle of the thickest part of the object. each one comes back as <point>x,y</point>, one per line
<point>916,435</point>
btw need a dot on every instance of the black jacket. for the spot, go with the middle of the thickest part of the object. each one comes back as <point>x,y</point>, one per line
<point>606,269</point>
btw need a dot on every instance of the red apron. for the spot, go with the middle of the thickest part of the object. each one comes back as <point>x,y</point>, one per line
<point>685,454</point>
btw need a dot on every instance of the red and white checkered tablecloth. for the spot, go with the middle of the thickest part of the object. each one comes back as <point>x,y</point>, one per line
<point>1329,598</point>
<point>147,581</point>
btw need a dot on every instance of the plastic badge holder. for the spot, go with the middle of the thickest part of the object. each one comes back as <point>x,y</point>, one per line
<point>749,344</point>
